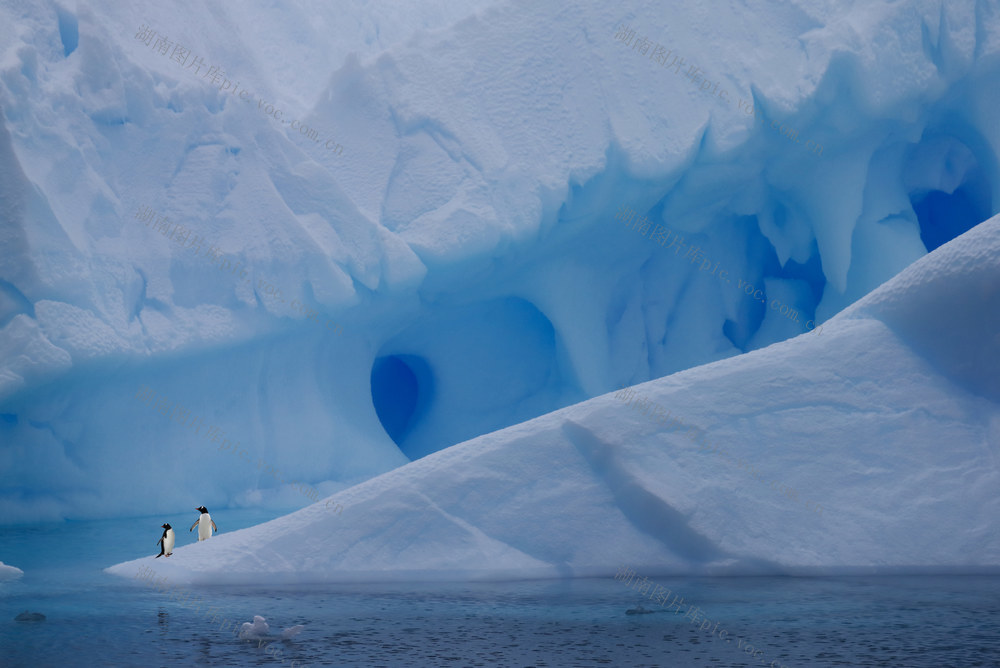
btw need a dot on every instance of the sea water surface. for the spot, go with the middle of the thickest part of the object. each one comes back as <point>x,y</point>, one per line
<point>95,619</point>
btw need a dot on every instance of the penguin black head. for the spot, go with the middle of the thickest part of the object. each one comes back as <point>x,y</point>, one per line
<point>202,509</point>
<point>166,526</point>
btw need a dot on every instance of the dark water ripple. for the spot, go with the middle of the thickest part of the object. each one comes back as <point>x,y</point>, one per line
<point>93,619</point>
<point>912,622</point>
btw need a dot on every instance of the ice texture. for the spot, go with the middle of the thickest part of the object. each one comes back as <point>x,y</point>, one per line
<point>459,266</point>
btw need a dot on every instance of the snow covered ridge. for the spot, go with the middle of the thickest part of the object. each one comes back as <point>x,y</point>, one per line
<point>694,613</point>
<point>182,55</point>
<point>625,34</point>
<point>695,434</point>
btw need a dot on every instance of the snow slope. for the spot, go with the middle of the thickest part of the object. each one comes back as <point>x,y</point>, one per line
<point>888,432</point>
<point>457,267</point>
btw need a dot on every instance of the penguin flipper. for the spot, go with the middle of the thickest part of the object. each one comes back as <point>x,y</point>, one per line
<point>213,525</point>
<point>194,525</point>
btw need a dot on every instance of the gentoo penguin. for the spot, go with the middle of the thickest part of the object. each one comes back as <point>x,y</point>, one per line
<point>166,541</point>
<point>205,524</point>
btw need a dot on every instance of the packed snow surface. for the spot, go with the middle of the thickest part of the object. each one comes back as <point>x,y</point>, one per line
<point>874,447</point>
<point>258,253</point>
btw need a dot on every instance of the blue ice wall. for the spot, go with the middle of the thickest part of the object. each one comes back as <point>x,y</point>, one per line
<point>462,265</point>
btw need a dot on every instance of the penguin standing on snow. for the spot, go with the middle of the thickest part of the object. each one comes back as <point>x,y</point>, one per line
<point>205,524</point>
<point>166,541</point>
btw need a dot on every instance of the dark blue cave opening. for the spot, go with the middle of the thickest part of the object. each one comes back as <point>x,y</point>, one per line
<point>765,264</point>
<point>810,272</point>
<point>401,391</point>
<point>944,216</point>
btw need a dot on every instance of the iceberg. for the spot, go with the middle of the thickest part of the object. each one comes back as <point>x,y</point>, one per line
<point>873,448</point>
<point>265,255</point>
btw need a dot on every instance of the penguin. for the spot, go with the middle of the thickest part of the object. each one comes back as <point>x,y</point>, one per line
<point>205,524</point>
<point>166,541</point>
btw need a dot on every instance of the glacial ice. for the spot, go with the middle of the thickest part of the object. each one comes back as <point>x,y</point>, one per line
<point>465,243</point>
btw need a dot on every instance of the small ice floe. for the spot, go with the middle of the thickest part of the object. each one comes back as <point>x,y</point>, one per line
<point>260,629</point>
<point>640,611</point>
<point>292,631</point>
<point>30,617</point>
<point>9,572</point>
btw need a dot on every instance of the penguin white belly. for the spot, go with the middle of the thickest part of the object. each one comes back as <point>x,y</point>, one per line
<point>204,526</point>
<point>168,542</point>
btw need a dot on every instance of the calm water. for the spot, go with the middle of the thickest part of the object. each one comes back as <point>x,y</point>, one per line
<point>94,619</point>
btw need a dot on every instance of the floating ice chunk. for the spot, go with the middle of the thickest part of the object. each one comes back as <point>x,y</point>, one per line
<point>9,572</point>
<point>292,631</point>
<point>259,628</point>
